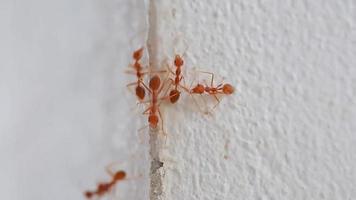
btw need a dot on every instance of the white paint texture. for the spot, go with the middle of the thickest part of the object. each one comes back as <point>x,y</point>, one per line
<point>290,127</point>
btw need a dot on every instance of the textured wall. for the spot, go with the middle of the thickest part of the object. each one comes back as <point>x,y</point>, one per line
<point>289,130</point>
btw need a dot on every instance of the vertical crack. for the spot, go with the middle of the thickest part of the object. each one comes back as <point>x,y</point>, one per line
<point>156,170</point>
<point>152,35</point>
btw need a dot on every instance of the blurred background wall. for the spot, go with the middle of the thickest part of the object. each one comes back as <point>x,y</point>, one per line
<point>65,111</point>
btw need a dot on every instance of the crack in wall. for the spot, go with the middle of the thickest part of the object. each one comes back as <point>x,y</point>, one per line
<point>156,170</point>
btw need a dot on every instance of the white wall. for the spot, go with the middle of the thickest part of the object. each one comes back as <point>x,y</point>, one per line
<point>65,113</point>
<point>289,130</point>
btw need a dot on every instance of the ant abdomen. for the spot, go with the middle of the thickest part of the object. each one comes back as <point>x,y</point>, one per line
<point>140,92</point>
<point>174,96</point>
<point>153,121</point>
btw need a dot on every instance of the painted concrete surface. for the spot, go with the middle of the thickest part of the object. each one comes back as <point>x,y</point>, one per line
<point>289,131</point>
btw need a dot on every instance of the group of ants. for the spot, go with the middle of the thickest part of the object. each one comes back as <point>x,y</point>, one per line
<point>172,84</point>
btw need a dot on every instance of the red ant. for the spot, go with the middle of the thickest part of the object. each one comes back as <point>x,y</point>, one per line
<point>140,91</point>
<point>137,66</point>
<point>105,187</point>
<point>154,88</point>
<point>174,94</point>
<point>226,89</point>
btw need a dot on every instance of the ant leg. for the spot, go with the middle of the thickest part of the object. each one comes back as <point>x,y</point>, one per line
<point>145,112</point>
<point>166,97</point>
<point>186,48</point>
<point>168,88</point>
<point>206,112</point>
<point>129,71</point>
<point>196,102</point>
<point>191,84</point>
<point>133,83</point>
<point>220,84</point>
<point>183,86</point>
<point>156,72</point>
<point>212,80</point>
<point>169,69</point>
<point>212,77</point>
<point>146,87</point>
<point>160,116</point>
<point>139,84</point>
<point>129,87</point>
<point>109,171</point>
<point>185,43</point>
<point>162,86</point>
<point>164,82</point>
<point>143,102</point>
<point>217,99</point>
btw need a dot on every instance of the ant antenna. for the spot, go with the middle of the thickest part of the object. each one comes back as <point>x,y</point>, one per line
<point>137,34</point>
<point>185,43</point>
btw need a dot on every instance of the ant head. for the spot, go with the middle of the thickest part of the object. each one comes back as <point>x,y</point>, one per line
<point>228,89</point>
<point>178,61</point>
<point>88,194</point>
<point>155,82</point>
<point>153,120</point>
<point>198,89</point>
<point>137,55</point>
<point>140,92</point>
<point>119,175</point>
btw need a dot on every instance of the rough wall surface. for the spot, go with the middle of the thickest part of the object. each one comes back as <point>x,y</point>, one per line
<point>289,130</point>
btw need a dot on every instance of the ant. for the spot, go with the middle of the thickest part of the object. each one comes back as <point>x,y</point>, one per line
<point>105,187</point>
<point>155,88</point>
<point>140,91</point>
<point>138,70</point>
<point>174,94</point>
<point>226,88</point>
